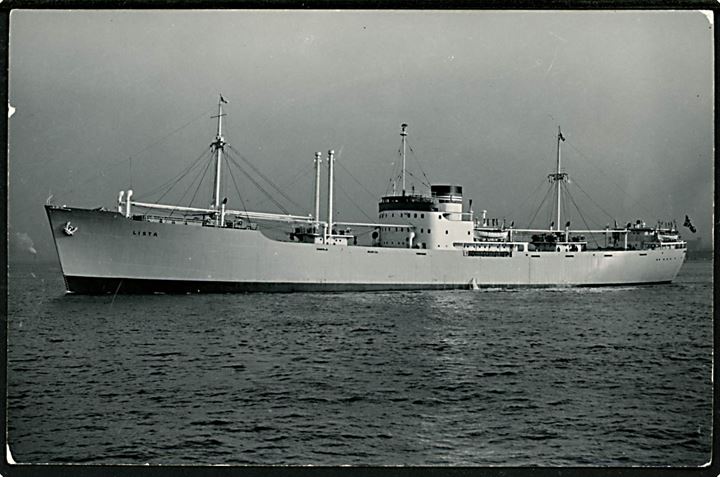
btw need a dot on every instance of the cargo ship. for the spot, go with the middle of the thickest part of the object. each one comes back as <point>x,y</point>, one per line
<point>419,241</point>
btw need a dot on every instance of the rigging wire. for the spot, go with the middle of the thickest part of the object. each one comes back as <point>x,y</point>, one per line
<point>572,199</point>
<point>625,194</point>
<point>416,177</point>
<point>396,174</point>
<point>259,186</point>
<point>427,183</point>
<point>353,202</point>
<point>565,210</point>
<point>188,188</point>
<point>549,212</point>
<point>224,177</point>
<point>356,180</point>
<point>301,174</point>
<point>550,189</point>
<point>540,184</point>
<point>296,178</point>
<point>388,186</point>
<point>198,186</point>
<point>174,181</point>
<point>591,199</point>
<point>264,177</point>
<point>163,138</point>
<point>101,172</point>
<point>237,189</point>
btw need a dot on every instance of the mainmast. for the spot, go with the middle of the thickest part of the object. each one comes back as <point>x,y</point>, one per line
<point>558,177</point>
<point>218,145</point>
<point>403,134</point>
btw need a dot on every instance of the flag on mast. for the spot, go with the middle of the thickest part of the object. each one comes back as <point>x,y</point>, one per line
<point>222,100</point>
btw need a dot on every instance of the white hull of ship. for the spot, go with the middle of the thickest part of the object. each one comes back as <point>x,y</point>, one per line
<point>109,253</point>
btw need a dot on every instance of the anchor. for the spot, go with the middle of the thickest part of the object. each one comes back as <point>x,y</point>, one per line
<point>69,229</point>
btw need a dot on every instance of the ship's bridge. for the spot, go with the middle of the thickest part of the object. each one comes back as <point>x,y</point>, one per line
<point>406,202</point>
<point>429,222</point>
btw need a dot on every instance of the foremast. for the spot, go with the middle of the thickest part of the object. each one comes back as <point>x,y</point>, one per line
<point>558,177</point>
<point>218,146</point>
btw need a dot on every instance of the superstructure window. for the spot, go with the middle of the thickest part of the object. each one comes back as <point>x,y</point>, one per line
<point>422,216</point>
<point>415,216</point>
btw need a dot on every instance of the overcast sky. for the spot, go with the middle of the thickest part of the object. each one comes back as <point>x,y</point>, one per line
<point>483,94</point>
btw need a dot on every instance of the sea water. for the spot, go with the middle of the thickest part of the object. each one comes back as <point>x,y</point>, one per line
<point>615,376</point>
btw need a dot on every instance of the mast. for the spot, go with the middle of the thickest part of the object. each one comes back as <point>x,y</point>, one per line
<point>318,161</point>
<point>331,161</point>
<point>558,177</point>
<point>403,134</point>
<point>557,182</point>
<point>218,145</point>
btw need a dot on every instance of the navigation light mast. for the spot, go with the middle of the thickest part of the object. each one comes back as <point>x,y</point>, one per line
<point>403,134</point>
